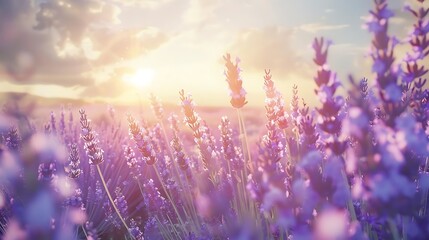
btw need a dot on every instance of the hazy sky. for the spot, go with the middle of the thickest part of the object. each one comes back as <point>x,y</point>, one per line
<point>97,48</point>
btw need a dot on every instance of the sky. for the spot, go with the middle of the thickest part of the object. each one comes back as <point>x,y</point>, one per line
<point>120,51</point>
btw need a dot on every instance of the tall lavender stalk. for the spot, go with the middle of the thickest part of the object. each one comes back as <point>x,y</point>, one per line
<point>193,121</point>
<point>147,149</point>
<point>382,54</point>
<point>95,155</point>
<point>179,155</point>
<point>238,100</point>
<point>415,71</point>
<point>330,123</point>
<point>273,141</point>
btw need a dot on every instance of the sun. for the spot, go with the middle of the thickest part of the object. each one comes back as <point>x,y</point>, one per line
<point>141,78</point>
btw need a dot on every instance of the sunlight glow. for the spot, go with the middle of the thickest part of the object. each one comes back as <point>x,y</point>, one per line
<point>141,78</point>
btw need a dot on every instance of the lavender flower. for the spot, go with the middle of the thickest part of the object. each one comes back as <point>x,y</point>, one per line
<point>73,169</point>
<point>174,123</point>
<point>143,143</point>
<point>53,123</point>
<point>135,231</point>
<point>121,203</point>
<point>154,201</point>
<point>75,200</point>
<point>91,231</point>
<point>307,129</point>
<point>47,172</point>
<point>415,70</point>
<point>178,153</point>
<point>70,122</point>
<point>273,141</point>
<point>231,153</point>
<point>132,162</point>
<point>156,107</point>
<point>193,121</point>
<point>12,139</point>
<point>420,45</point>
<point>382,53</point>
<point>274,102</point>
<point>327,82</point>
<point>62,123</point>
<point>94,152</point>
<point>295,102</point>
<point>238,94</point>
<point>159,140</point>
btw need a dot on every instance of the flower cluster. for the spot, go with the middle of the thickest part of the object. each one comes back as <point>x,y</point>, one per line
<point>95,153</point>
<point>12,139</point>
<point>273,142</point>
<point>74,161</point>
<point>231,153</point>
<point>235,83</point>
<point>327,84</point>
<point>142,141</point>
<point>194,122</point>
<point>177,146</point>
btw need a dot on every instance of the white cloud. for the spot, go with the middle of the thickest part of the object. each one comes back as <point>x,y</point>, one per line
<point>200,11</point>
<point>273,48</point>
<point>317,27</point>
<point>152,4</point>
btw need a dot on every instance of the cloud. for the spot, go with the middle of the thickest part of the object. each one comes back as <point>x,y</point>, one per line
<point>200,11</point>
<point>62,42</point>
<point>111,87</point>
<point>401,23</point>
<point>398,20</point>
<point>29,54</point>
<point>73,19</point>
<point>30,49</point>
<point>273,48</point>
<point>126,44</point>
<point>317,27</point>
<point>347,49</point>
<point>152,4</point>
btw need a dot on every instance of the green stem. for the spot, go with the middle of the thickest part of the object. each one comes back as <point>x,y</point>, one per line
<point>170,154</point>
<point>140,187</point>
<point>169,197</point>
<point>404,227</point>
<point>111,199</point>
<point>191,207</point>
<point>425,193</point>
<point>297,145</point>
<point>349,200</point>
<point>393,229</point>
<point>176,170</point>
<point>245,143</point>
<point>84,232</point>
<point>287,150</point>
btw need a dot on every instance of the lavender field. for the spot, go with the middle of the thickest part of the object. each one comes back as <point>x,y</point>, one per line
<point>350,160</point>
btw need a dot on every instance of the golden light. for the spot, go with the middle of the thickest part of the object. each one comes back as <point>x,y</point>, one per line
<point>141,78</point>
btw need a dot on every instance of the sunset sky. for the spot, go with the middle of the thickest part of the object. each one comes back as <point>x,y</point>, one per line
<point>121,50</point>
